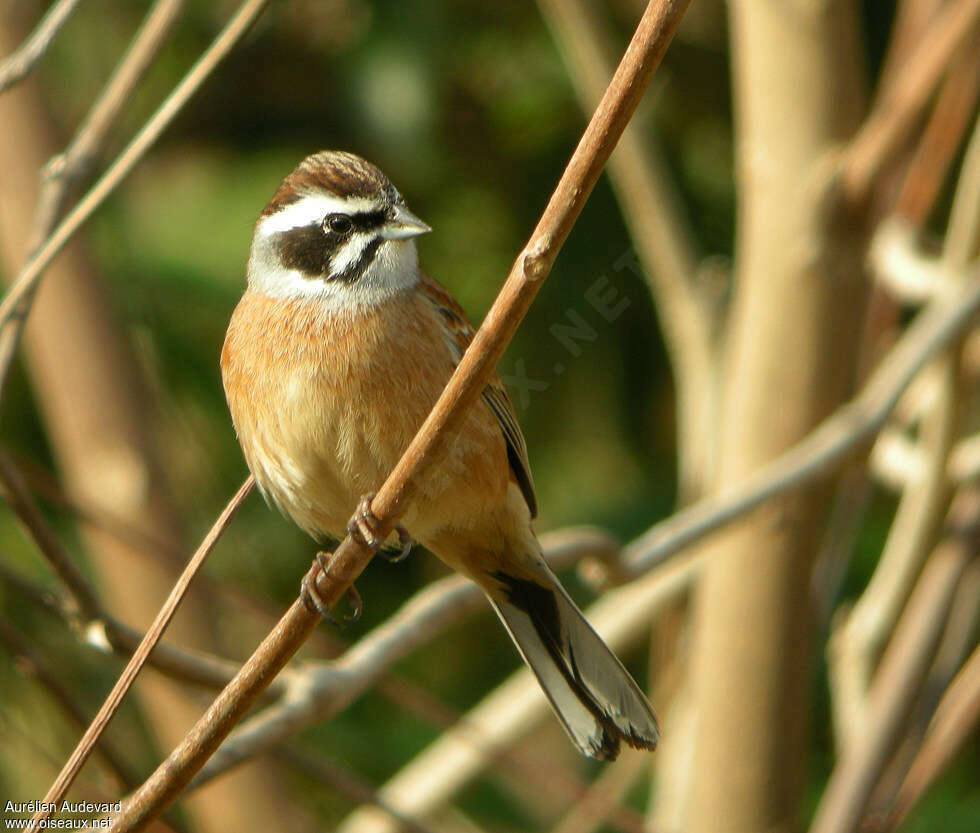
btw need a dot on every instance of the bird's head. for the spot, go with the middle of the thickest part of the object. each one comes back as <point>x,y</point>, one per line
<point>335,229</point>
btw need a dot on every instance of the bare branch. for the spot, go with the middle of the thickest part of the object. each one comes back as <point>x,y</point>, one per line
<point>644,53</point>
<point>905,98</point>
<point>955,721</point>
<point>32,271</point>
<point>16,66</point>
<point>139,658</point>
<point>941,139</point>
<point>900,266</point>
<point>900,675</point>
<point>857,643</point>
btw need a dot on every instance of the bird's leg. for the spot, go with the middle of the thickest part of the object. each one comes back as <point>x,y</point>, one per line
<point>314,601</point>
<point>364,527</point>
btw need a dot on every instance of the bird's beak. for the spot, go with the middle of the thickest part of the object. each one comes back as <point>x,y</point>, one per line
<point>403,225</point>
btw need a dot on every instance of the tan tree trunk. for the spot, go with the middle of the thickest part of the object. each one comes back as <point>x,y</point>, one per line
<point>798,91</point>
<point>89,392</point>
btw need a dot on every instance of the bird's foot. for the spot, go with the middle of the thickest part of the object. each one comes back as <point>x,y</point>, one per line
<point>314,602</point>
<point>364,528</point>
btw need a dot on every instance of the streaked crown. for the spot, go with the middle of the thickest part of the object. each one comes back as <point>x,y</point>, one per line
<point>336,228</point>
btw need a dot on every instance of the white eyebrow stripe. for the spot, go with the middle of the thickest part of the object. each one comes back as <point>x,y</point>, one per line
<point>312,209</point>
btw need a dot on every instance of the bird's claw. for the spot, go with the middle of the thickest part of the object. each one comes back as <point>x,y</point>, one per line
<point>406,543</point>
<point>314,602</point>
<point>364,525</point>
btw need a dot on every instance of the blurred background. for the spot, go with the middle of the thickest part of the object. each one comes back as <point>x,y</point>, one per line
<point>470,110</point>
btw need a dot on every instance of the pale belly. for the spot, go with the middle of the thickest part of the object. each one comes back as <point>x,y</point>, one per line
<point>324,409</point>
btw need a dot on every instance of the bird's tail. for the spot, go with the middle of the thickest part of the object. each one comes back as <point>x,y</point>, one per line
<point>595,698</point>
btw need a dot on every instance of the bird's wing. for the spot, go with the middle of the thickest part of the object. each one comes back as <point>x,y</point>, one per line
<point>458,333</point>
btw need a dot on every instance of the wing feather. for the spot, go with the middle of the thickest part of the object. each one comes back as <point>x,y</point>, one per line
<point>458,334</point>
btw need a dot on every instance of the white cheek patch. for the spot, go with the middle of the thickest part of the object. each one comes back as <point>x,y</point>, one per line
<point>312,209</point>
<point>350,252</point>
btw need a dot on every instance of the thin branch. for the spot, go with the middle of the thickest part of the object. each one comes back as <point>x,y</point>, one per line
<point>962,242</point>
<point>16,66</point>
<point>32,271</point>
<point>856,644</point>
<point>846,431</point>
<point>903,101</point>
<point>940,140</point>
<point>644,53</point>
<point>955,721</point>
<point>139,658</point>
<point>67,168</point>
<point>903,668</point>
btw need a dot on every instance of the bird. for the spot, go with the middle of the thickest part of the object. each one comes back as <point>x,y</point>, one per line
<point>333,357</point>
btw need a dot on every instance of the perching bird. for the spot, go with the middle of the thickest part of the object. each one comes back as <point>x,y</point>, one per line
<point>334,356</point>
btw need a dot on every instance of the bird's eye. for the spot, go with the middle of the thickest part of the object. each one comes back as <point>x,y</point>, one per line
<point>339,223</point>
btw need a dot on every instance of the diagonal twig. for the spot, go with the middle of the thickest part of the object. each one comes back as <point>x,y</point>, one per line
<point>905,97</point>
<point>902,670</point>
<point>74,764</point>
<point>650,41</point>
<point>16,66</point>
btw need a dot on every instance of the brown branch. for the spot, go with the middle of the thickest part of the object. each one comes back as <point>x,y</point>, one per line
<point>644,53</point>
<point>856,645</point>
<point>955,720</point>
<point>68,167</point>
<point>32,271</point>
<point>16,66</point>
<point>139,658</point>
<point>904,99</point>
<point>940,140</point>
<point>903,668</point>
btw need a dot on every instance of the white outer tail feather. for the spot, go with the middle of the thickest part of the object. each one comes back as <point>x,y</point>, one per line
<point>594,697</point>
